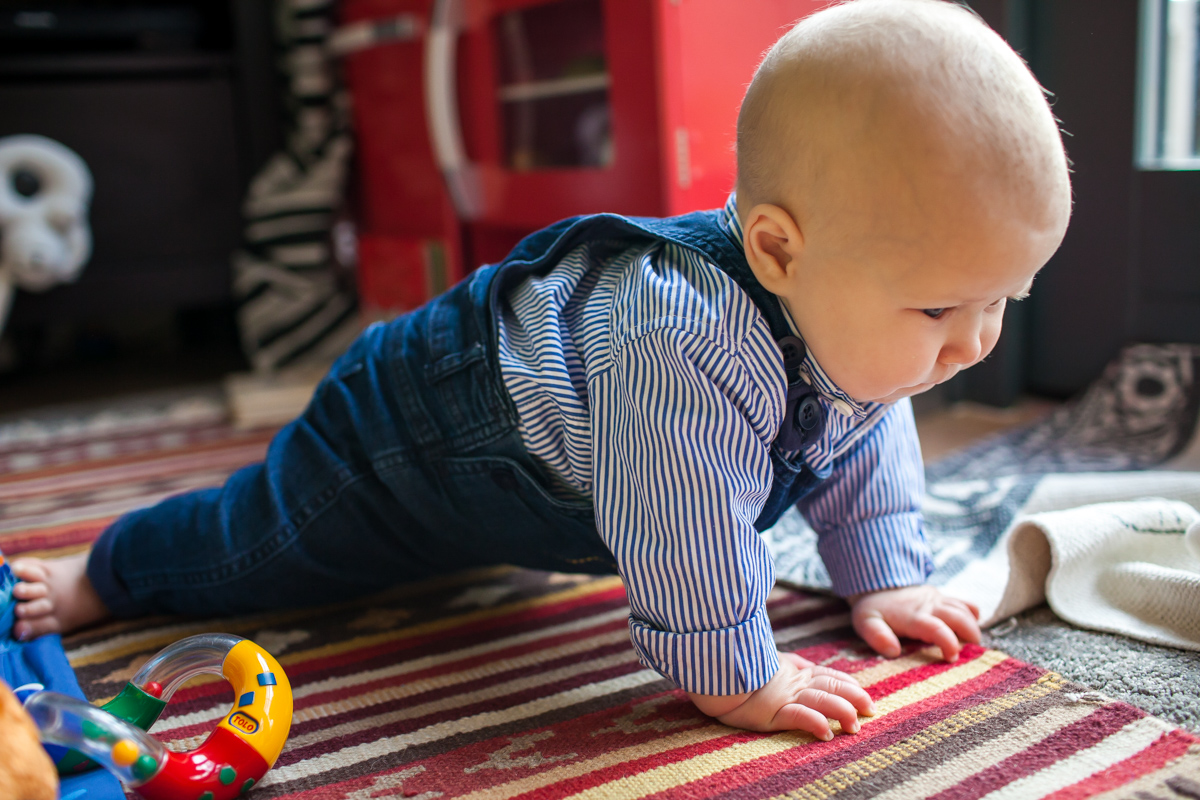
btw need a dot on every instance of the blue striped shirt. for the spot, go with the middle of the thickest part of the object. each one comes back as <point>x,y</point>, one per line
<point>647,380</point>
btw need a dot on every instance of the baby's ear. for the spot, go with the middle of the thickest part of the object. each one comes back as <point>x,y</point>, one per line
<point>773,243</point>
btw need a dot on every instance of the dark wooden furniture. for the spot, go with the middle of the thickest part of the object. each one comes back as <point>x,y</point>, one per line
<point>173,105</point>
<point>1129,269</point>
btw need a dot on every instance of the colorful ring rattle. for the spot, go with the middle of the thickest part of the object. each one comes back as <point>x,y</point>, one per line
<point>234,757</point>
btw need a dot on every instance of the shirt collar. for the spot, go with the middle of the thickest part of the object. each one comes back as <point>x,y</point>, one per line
<point>728,219</point>
<point>810,370</point>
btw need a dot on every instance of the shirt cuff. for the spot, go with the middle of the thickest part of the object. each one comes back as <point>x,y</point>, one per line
<point>725,661</point>
<point>883,553</point>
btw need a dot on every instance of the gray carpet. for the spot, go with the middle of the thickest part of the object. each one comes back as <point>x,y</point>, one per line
<point>1160,680</point>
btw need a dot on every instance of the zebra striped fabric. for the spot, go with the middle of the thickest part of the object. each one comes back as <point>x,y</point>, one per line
<point>295,306</point>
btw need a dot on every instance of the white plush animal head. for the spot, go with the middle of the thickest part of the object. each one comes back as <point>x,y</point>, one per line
<point>45,189</point>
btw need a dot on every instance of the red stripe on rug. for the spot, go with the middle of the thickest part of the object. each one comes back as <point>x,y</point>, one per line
<point>480,627</point>
<point>454,639</point>
<point>354,712</point>
<point>1169,747</point>
<point>151,430</point>
<point>895,683</point>
<point>363,659</point>
<point>1077,736</point>
<point>156,466</point>
<point>783,621</point>
<point>259,438</point>
<point>27,458</point>
<point>781,772</point>
<point>661,714</point>
<point>848,656</point>
<point>464,664</point>
<point>820,756</point>
<point>66,535</point>
<point>600,777</point>
<point>464,711</point>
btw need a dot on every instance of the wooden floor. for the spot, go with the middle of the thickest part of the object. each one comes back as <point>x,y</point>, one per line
<point>950,428</point>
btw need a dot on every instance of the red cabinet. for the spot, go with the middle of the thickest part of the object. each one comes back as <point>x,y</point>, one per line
<point>502,116</point>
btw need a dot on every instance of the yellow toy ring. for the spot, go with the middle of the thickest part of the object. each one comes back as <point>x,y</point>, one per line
<point>245,744</point>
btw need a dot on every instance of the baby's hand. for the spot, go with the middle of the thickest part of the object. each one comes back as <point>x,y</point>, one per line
<point>918,612</point>
<point>801,696</point>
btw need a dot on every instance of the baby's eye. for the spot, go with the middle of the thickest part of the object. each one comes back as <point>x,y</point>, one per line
<point>933,313</point>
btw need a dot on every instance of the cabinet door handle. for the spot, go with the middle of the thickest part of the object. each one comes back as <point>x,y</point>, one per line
<point>441,109</point>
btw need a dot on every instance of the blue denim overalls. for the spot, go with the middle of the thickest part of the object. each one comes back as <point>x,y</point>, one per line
<point>406,463</point>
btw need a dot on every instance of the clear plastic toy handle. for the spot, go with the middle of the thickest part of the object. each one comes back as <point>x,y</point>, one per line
<point>196,655</point>
<point>123,749</point>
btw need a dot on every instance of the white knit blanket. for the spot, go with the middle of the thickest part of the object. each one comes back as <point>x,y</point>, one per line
<point>1130,567</point>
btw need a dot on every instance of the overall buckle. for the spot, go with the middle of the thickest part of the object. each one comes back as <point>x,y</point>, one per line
<point>804,417</point>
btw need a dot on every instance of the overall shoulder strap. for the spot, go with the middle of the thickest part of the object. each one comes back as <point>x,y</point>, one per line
<point>701,233</point>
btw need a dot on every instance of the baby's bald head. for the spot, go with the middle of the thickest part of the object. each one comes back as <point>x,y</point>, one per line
<point>873,103</point>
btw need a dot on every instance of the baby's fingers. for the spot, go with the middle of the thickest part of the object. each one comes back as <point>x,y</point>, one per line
<point>846,687</point>
<point>878,634</point>
<point>797,717</point>
<point>961,621</point>
<point>832,706</point>
<point>929,628</point>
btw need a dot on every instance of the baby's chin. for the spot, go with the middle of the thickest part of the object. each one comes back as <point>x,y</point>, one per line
<point>906,391</point>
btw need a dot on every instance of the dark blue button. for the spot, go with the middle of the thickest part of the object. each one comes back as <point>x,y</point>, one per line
<point>246,699</point>
<point>793,352</point>
<point>808,413</point>
<point>266,679</point>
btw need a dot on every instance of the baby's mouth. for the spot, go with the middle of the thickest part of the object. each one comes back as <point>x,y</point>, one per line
<point>944,378</point>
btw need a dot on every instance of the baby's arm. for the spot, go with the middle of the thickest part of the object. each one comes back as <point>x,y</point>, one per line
<point>800,696</point>
<point>917,612</point>
<point>867,515</point>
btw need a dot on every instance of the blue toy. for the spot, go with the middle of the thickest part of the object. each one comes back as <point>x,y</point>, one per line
<point>41,664</point>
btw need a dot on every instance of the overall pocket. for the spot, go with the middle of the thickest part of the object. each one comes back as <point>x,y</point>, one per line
<point>447,384</point>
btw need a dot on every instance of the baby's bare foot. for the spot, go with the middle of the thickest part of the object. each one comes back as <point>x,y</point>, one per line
<point>54,596</point>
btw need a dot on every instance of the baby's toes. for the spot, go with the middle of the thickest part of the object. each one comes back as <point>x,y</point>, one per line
<point>25,591</point>
<point>26,629</point>
<point>33,609</point>
<point>30,570</point>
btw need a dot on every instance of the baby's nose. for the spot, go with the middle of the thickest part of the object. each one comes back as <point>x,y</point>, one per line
<point>962,350</point>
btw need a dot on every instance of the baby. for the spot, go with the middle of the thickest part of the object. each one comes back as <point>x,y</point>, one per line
<point>645,396</point>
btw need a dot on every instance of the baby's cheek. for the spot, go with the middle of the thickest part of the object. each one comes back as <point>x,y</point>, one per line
<point>989,336</point>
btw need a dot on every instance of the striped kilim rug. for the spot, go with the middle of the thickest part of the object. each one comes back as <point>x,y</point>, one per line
<point>509,683</point>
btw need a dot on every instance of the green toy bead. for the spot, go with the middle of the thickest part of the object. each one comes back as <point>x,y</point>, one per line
<point>227,774</point>
<point>205,796</point>
<point>248,785</point>
<point>93,731</point>
<point>144,767</point>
